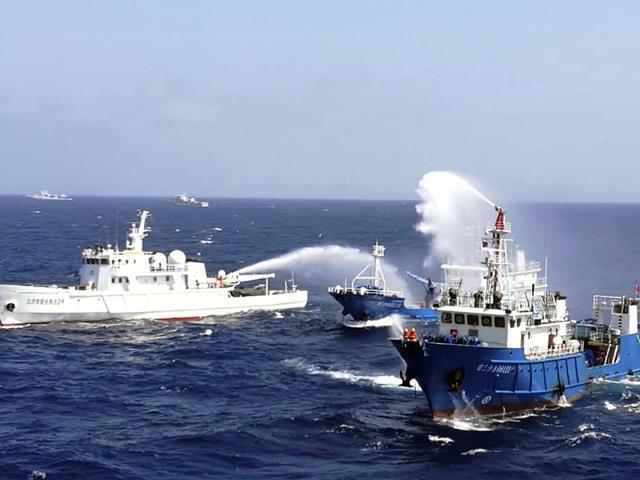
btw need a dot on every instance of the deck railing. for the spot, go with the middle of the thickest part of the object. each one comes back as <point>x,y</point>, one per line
<point>536,353</point>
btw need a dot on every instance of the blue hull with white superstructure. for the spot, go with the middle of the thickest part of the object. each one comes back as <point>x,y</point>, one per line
<point>508,344</point>
<point>373,306</point>
<point>472,379</point>
<point>368,301</point>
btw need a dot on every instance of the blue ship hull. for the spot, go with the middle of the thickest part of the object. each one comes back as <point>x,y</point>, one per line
<point>376,306</point>
<point>475,379</point>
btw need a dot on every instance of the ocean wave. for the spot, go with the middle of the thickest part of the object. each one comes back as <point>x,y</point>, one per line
<point>384,381</point>
<point>469,424</point>
<point>440,440</point>
<point>475,451</point>
<point>588,436</point>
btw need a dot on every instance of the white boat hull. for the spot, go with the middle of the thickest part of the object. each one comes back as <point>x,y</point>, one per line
<point>33,304</point>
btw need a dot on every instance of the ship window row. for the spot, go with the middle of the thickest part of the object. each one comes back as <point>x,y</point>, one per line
<point>120,279</point>
<point>473,320</point>
<point>103,261</point>
<point>95,261</point>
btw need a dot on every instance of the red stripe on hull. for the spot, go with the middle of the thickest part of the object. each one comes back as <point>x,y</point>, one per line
<point>179,319</point>
<point>502,409</point>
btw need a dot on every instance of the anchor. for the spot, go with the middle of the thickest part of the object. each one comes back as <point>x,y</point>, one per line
<point>454,378</point>
<point>406,377</point>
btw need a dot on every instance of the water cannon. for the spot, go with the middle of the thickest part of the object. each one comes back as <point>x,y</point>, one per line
<point>500,224</point>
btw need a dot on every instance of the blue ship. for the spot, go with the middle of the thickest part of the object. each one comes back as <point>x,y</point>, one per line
<point>369,303</point>
<point>510,345</point>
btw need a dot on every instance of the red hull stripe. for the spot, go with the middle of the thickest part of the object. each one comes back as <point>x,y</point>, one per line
<point>180,319</point>
<point>499,409</point>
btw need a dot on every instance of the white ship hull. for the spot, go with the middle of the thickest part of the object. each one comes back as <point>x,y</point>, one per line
<point>33,304</point>
<point>53,199</point>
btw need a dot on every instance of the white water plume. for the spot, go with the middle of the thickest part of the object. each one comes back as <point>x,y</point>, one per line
<point>383,381</point>
<point>453,212</point>
<point>330,263</point>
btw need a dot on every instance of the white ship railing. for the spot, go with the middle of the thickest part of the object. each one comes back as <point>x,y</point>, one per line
<point>467,300</point>
<point>600,301</point>
<point>506,229</point>
<point>537,353</point>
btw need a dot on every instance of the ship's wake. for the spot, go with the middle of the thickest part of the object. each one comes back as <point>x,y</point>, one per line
<point>382,380</point>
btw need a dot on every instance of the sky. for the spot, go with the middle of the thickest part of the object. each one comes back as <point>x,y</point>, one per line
<point>537,101</point>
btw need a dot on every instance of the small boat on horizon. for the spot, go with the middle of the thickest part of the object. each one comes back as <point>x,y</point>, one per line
<point>186,200</point>
<point>370,303</point>
<point>45,195</point>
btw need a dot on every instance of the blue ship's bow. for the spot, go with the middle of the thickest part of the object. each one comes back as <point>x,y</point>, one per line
<point>474,379</point>
<point>372,306</point>
<point>368,307</point>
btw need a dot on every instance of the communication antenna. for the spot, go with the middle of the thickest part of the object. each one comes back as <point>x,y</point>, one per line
<point>117,214</point>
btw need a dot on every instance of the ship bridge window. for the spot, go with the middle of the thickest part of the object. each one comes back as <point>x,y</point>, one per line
<point>473,320</point>
<point>446,317</point>
<point>459,318</point>
<point>499,322</point>
<point>105,261</point>
<point>486,321</point>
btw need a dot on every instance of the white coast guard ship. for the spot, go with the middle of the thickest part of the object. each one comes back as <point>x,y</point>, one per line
<point>45,195</point>
<point>135,284</point>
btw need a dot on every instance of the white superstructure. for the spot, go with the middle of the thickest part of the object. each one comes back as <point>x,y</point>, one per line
<point>509,306</point>
<point>136,284</point>
<point>45,195</point>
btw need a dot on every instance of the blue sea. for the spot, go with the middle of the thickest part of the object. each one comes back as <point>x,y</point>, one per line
<point>292,395</point>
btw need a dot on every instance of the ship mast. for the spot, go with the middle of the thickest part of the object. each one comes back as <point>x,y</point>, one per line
<point>378,276</point>
<point>373,272</point>
<point>137,233</point>
<point>497,278</point>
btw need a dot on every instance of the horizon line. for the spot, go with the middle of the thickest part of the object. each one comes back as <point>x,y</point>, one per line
<point>360,199</point>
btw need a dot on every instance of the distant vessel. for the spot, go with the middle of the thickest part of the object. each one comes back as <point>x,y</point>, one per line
<point>45,195</point>
<point>369,302</point>
<point>184,199</point>
<point>510,345</point>
<point>135,284</point>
